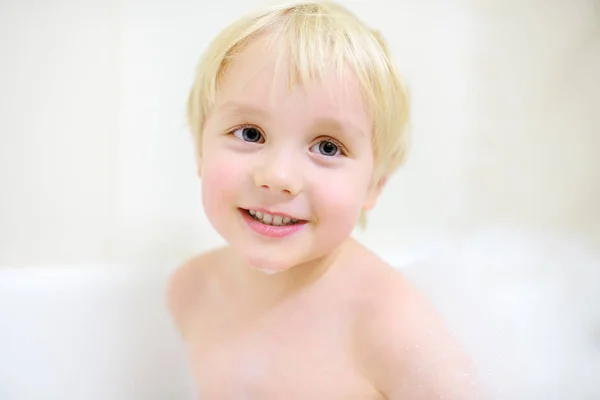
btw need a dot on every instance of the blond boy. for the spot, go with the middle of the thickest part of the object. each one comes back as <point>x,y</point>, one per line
<point>299,117</point>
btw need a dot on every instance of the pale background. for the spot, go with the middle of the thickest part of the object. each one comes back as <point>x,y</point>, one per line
<point>96,162</point>
<point>96,168</point>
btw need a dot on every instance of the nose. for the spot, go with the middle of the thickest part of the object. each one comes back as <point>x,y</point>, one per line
<point>279,175</point>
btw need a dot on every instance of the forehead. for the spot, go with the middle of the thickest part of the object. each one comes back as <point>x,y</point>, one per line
<point>261,76</point>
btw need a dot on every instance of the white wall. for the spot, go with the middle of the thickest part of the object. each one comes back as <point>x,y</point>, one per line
<point>59,114</point>
<point>96,163</point>
<point>536,125</point>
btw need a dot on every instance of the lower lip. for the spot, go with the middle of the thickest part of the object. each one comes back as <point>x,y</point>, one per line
<point>271,230</point>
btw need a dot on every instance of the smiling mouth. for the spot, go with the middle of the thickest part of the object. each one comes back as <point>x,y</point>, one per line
<point>273,220</point>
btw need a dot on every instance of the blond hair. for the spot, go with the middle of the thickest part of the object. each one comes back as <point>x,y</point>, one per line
<point>316,34</point>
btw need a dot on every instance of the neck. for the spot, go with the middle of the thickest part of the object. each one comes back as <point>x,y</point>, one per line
<point>273,287</point>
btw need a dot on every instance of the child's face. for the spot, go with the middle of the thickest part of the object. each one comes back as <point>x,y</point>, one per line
<point>305,153</point>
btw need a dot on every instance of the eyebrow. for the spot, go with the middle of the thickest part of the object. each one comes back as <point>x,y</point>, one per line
<point>235,108</point>
<point>332,124</point>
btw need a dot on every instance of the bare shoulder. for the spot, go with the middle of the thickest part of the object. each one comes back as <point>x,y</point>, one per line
<point>404,345</point>
<point>189,282</point>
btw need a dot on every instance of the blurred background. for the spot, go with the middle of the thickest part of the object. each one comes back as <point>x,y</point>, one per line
<point>99,200</point>
<point>96,161</point>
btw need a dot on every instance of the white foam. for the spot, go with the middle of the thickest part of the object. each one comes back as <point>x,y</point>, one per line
<point>525,305</point>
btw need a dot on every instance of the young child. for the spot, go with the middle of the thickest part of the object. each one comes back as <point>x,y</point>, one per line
<point>299,118</point>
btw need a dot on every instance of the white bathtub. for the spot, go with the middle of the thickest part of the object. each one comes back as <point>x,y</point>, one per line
<point>88,332</point>
<point>526,307</point>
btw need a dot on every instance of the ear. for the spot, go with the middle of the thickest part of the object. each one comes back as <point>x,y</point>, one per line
<point>373,194</point>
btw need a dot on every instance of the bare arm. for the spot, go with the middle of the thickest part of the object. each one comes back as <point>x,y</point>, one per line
<point>408,352</point>
<point>180,292</point>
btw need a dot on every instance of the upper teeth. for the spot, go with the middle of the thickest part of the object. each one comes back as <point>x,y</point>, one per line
<point>272,219</point>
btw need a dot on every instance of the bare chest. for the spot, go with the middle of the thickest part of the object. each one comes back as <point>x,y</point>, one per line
<point>288,353</point>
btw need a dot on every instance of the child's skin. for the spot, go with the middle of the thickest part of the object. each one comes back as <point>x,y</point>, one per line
<point>334,321</point>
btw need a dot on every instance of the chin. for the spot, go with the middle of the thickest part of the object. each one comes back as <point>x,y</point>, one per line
<point>268,265</point>
<point>268,271</point>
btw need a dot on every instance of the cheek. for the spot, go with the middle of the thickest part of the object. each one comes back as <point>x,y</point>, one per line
<point>342,202</point>
<point>220,182</point>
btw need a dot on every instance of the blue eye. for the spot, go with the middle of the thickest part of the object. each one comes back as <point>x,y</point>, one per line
<point>248,134</point>
<point>326,148</point>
